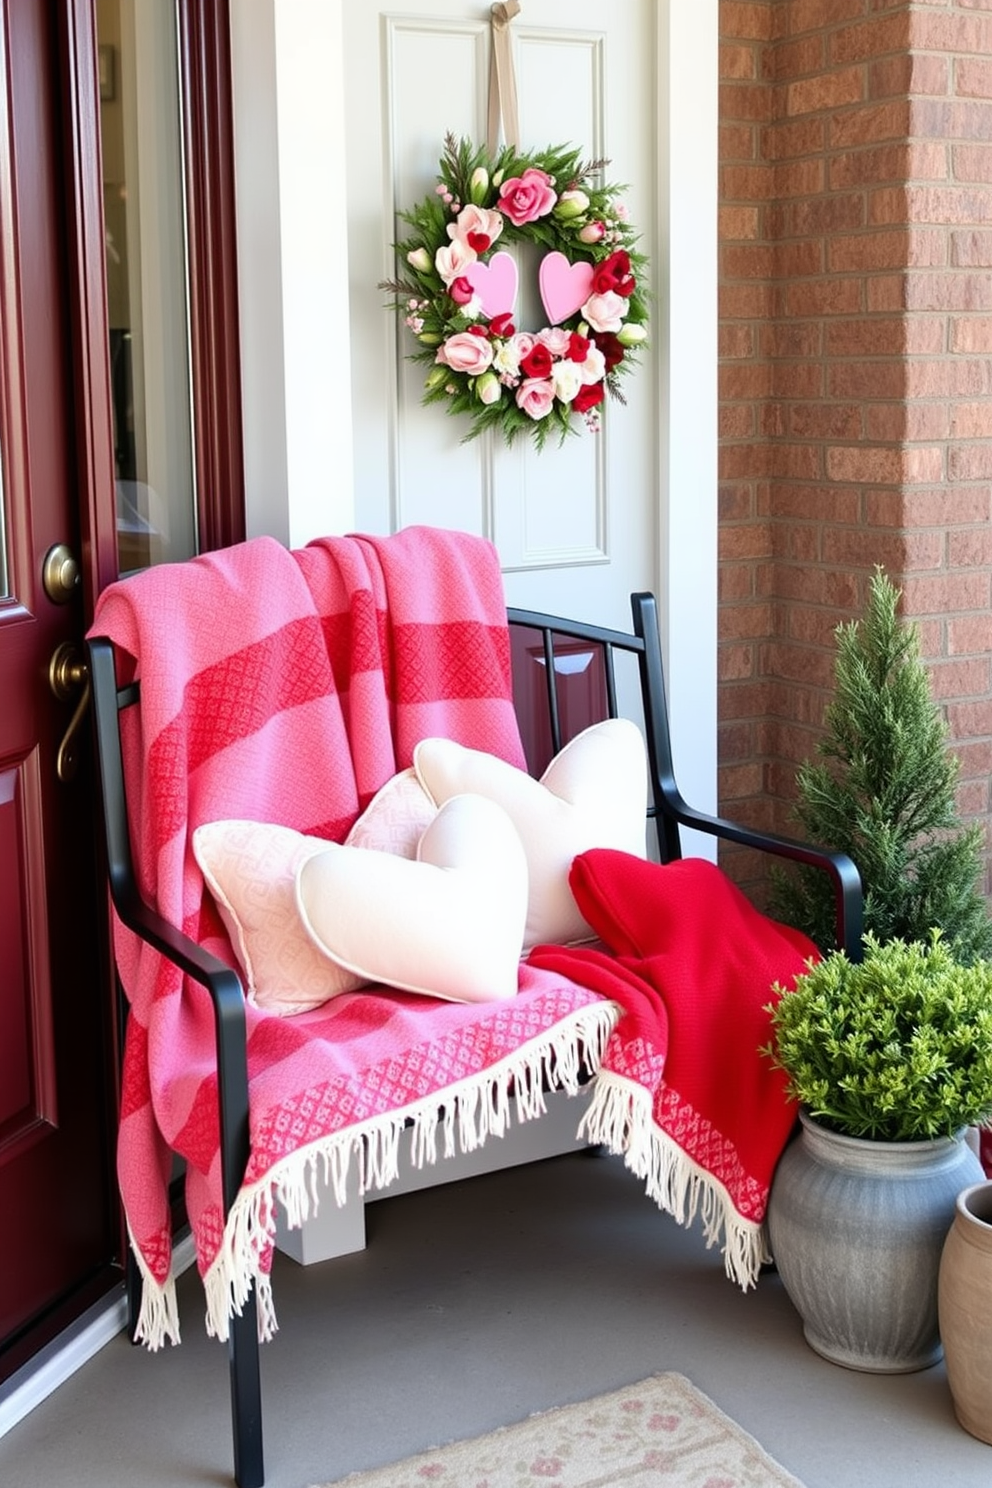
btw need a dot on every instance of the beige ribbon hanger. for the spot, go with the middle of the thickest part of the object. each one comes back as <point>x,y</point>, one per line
<point>502,79</point>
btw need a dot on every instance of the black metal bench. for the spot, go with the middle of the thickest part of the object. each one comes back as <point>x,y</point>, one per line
<point>549,653</point>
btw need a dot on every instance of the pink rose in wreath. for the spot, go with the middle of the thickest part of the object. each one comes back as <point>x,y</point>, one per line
<point>526,198</point>
<point>464,352</point>
<point>556,339</point>
<point>477,227</point>
<point>535,397</point>
<point>521,344</point>
<point>605,312</point>
<point>450,261</point>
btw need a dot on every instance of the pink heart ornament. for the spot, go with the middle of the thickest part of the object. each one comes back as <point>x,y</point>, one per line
<point>564,286</point>
<point>495,283</point>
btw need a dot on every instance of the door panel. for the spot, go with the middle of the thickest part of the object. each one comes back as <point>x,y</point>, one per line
<point>577,525</point>
<point>59,1235</point>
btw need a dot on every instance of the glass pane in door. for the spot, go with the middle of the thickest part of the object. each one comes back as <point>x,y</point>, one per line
<point>144,209</point>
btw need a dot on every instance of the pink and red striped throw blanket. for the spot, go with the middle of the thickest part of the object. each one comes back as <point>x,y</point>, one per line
<point>287,687</point>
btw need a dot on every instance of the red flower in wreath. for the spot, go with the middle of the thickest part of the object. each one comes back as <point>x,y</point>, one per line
<point>537,362</point>
<point>611,347</point>
<point>614,274</point>
<point>589,394</point>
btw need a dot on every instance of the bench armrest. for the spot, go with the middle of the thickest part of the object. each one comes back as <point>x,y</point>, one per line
<point>227,995</point>
<point>673,812</point>
<point>848,895</point>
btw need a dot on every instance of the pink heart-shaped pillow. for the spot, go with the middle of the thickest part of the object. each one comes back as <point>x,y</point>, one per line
<point>495,283</point>
<point>564,286</point>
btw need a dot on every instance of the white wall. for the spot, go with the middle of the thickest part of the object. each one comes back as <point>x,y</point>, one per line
<point>293,273</point>
<point>688,162</point>
<point>288,61</point>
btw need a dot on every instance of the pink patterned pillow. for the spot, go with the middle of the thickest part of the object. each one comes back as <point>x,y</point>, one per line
<point>396,817</point>
<point>250,868</point>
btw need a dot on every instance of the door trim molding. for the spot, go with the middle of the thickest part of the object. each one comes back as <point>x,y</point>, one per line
<point>74,1347</point>
<point>205,69</point>
<point>56,1363</point>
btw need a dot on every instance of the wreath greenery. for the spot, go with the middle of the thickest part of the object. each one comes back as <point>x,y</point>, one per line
<point>457,294</point>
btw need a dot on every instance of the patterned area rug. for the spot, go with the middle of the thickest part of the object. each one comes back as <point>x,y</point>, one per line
<point>661,1431</point>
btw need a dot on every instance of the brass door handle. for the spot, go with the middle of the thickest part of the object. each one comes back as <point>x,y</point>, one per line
<point>67,673</point>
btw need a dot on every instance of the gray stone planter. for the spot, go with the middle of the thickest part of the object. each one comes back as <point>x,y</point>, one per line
<point>857,1228</point>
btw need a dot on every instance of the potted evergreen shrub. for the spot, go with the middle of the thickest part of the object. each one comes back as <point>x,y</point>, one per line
<point>882,789</point>
<point>890,1059</point>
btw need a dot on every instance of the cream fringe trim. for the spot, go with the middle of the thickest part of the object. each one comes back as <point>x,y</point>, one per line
<point>619,1116</point>
<point>465,1113</point>
<point>158,1316</point>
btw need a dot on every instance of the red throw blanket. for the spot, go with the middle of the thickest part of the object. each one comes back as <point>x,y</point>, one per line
<point>287,687</point>
<point>683,1091</point>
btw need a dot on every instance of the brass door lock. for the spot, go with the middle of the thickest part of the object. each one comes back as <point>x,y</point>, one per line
<point>60,574</point>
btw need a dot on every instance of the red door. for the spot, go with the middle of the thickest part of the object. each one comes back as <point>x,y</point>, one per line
<point>59,1236</point>
<point>60,1229</point>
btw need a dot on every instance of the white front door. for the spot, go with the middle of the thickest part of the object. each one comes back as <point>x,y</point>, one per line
<point>578,526</point>
<point>333,91</point>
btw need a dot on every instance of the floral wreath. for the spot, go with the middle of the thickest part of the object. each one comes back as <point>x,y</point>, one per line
<point>459,301</point>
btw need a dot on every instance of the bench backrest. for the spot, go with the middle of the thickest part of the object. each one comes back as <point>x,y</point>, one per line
<point>566,675</point>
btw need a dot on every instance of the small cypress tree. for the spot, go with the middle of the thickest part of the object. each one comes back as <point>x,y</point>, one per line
<point>883,792</point>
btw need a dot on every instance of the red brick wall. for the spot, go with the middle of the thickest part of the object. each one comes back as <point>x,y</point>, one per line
<point>747,333</point>
<point>855,381</point>
<point>948,298</point>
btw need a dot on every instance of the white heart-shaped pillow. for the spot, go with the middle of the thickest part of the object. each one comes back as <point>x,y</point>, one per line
<point>593,794</point>
<point>448,925</point>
